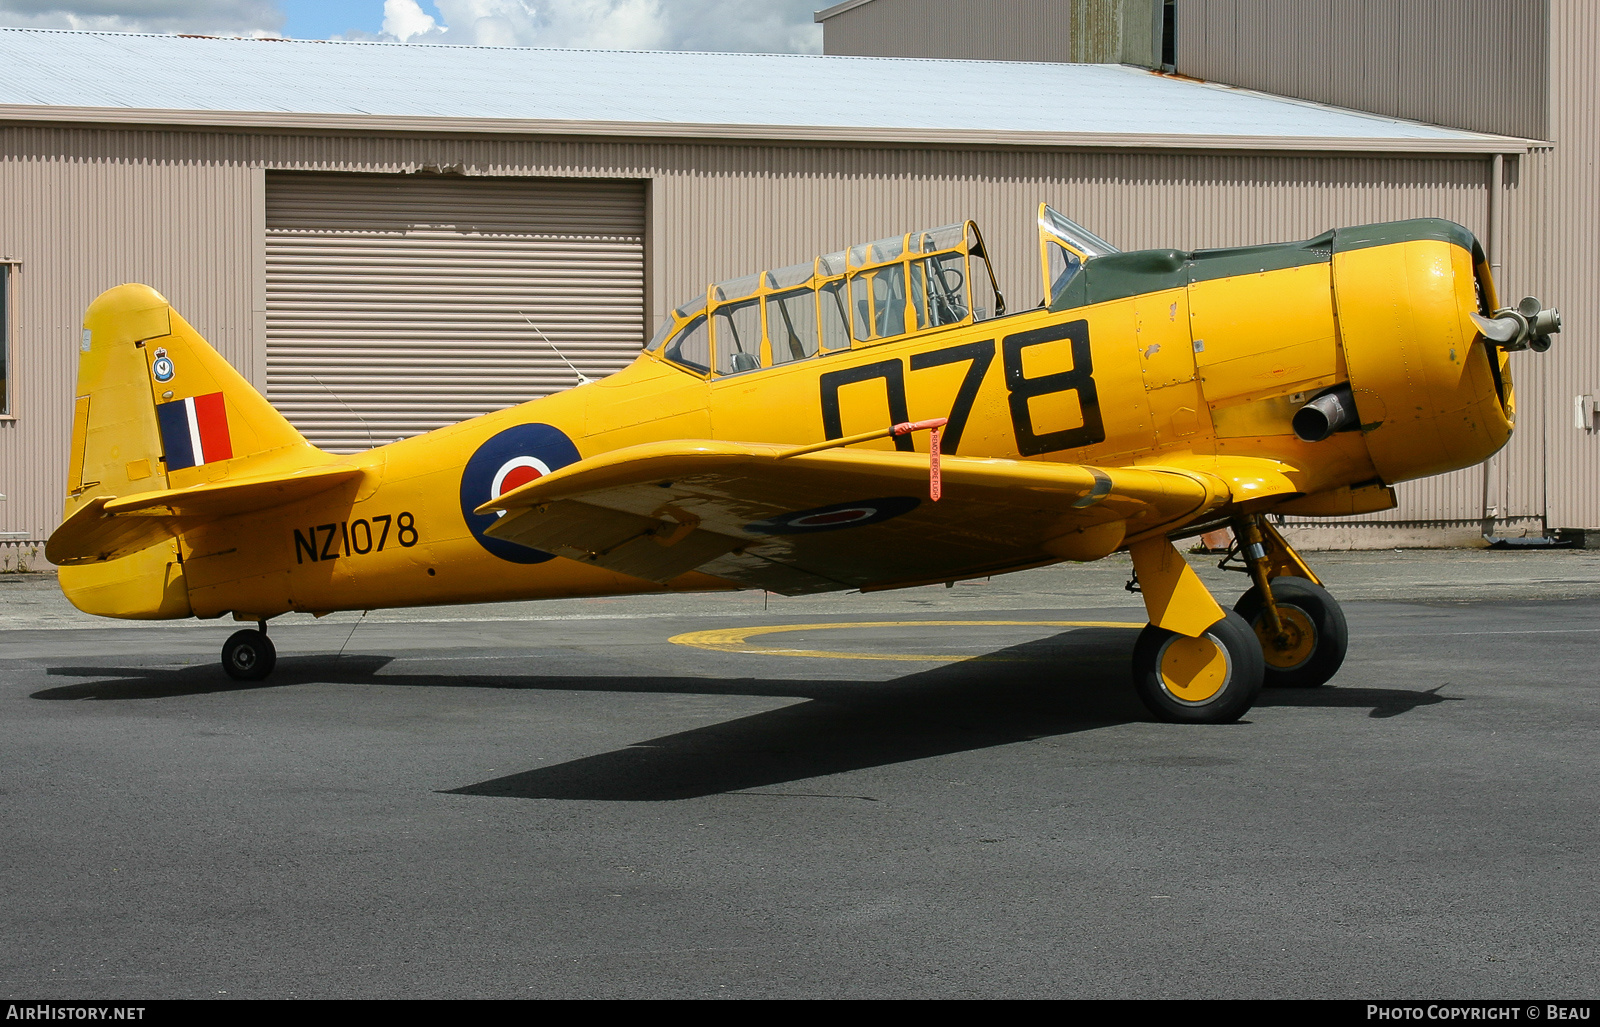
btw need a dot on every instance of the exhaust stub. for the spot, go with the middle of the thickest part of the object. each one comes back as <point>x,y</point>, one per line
<point>1334,410</point>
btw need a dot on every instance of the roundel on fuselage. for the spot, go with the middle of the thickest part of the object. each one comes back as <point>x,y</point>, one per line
<point>507,461</point>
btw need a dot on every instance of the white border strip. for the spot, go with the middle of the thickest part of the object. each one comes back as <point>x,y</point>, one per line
<point>194,432</point>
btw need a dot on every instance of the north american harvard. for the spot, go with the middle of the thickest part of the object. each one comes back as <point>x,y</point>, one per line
<point>874,418</point>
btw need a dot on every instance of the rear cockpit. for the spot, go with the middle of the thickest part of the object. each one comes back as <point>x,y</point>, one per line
<point>871,293</point>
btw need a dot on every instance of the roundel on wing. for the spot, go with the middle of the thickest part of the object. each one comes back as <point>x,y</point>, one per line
<point>835,517</point>
<point>507,461</point>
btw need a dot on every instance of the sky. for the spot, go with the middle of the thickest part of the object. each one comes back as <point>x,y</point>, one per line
<point>768,26</point>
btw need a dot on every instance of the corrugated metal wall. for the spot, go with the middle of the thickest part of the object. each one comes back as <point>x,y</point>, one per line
<point>183,209</point>
<point>82,219</point>
<point>1522,68</point>
<point>1568,275</point>
<point>1083,31</point>
<point>400,304</point>
<point>984,30</point>
<point>1117,32</point>
<point>1475,64</point>
<point>1519,476</point>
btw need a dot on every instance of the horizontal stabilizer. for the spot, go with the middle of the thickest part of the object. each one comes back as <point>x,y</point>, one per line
<point>237,496</point>
<point>106,527</point>
<point>91,535</point>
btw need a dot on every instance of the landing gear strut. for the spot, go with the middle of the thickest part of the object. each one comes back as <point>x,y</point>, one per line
<point>1194,664</point>
<point>1301,628</point>
<point>249,655</point>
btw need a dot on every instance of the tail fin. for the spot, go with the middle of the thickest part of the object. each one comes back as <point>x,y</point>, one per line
<point>157,409</point>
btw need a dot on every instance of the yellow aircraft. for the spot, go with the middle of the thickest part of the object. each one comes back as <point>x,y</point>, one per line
<point>875,418</point>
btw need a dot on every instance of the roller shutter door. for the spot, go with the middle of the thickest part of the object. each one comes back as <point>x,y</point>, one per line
<point>397,304</point>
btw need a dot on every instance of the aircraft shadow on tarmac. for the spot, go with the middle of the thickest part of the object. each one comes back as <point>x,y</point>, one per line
<point>1074,681</point>
<point>1384,702</point>
<point>119,683</point>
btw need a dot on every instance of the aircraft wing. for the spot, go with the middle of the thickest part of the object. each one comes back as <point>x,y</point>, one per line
<point>107,527</point>
<point>821,521</point>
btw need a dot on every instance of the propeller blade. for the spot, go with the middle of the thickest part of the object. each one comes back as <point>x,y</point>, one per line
<point>1497,329</point>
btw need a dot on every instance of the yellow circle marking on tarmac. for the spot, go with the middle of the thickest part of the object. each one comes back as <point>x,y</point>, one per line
<point>733,640</point>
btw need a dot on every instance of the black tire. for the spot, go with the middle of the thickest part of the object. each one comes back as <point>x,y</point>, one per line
<point>1305,607</point>
<point>249,655</point>
<point>1216,695</point>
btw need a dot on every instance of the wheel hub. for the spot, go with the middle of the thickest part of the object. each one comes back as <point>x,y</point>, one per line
<point>1292,648</point>
<point>1194,671</point>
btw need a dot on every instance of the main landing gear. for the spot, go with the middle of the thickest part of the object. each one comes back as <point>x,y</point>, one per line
<point>1212,679</point>
<point>1300,626</point>
<point>249,655</point>
<point>1196,664</point>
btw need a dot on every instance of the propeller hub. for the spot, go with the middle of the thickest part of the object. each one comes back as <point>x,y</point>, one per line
<point>1528,325</point>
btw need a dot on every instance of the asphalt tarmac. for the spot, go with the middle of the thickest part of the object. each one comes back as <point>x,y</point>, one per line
<point>571,799</point>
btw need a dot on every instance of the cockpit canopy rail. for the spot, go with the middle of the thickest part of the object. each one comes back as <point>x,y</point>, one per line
<point>867,294</point>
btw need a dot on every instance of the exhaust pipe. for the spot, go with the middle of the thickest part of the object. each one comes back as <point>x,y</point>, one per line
<point>1333,411</point>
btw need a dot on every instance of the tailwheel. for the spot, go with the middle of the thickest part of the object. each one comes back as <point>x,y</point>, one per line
<point>1213,679</point>
<point>249,655</point>
<point>1314,639</point>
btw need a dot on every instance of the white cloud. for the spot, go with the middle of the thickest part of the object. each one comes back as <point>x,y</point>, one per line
<point>403,19</point>
<point>769,26</point>
<point>203,17</point>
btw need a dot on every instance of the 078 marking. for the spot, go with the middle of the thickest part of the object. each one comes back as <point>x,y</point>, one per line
<point>1020,389</point>
<point>354,538</point>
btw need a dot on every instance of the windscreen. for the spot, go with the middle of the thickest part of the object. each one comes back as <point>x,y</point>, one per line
<point>1064,246</point>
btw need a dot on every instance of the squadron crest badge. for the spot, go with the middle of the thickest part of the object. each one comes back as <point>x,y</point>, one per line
<point>161,368</point>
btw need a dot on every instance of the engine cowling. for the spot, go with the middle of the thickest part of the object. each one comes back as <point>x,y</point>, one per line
<point>1432,394</point>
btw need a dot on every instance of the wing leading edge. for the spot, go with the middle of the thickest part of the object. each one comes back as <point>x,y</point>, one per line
<point>765,517</point>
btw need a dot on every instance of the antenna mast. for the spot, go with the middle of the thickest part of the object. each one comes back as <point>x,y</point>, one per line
<point>583,379</point>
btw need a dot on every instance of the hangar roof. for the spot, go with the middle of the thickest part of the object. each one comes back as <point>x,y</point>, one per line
<point>108,76</point>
